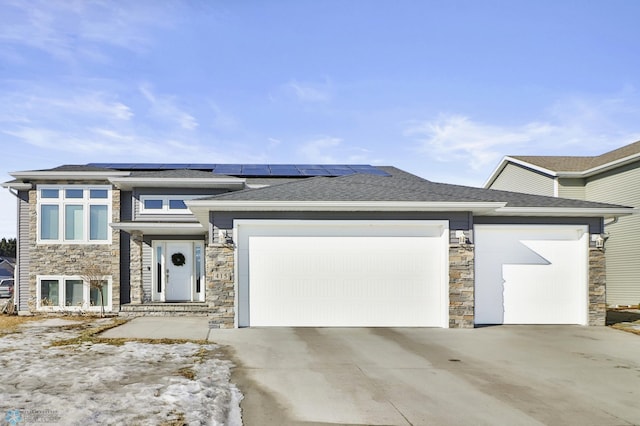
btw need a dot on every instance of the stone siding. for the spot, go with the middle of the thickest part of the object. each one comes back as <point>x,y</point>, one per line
<point>220,290</point>
<point>461,285</point>
<point>597,287</point>
<point>135,267</point>
<point>73,259</point>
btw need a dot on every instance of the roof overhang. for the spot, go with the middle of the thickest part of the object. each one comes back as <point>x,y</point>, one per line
<point>19,186</point>
<point>57,175</point>
<point>128,183</point>
<point>201,208</point>
<point>559,173</point>
<point>606,213</point>
<point>506,160</point>
<point>161,228</point>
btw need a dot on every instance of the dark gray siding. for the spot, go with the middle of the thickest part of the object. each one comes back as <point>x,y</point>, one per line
<point>126,214</point>
<point>24,255</point>
<point>595,223</point>
<point>457,220</point>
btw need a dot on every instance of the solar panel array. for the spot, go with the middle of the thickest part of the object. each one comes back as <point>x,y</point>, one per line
<point>255,170</point>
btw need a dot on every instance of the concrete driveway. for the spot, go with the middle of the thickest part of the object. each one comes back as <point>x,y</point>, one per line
<point>507,375</point>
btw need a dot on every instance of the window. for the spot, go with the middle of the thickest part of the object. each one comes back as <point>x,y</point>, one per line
<point>165,204</point>
<point>56,293</point>
<point>74,214</point>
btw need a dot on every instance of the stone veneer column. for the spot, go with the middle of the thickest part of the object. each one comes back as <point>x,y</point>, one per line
<point>597,287</point>
<point>220,293</point>
<point>135,266</point>
<point>461,285</point>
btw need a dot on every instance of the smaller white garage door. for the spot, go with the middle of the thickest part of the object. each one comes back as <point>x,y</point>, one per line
<point>534,274</point>
<point>343,274</point>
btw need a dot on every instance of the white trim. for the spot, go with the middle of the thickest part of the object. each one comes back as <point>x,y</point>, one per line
<point>564,211</point>
<point>86,292</point>
<point>86,202</point>
<point>161,296</point>
<point>165,228</point>
<point>561,174</point>
<point>166,208</point>
<point>506,160</point>
<point>19,186</point>
<point>56,175</point>
<point>556,187</point>
<point>129,183</point>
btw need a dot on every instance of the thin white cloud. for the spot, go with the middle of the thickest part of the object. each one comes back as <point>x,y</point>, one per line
<point>165,107</point>
<point>571,126</point>
<point>71,30</point>
<point>319,150</point>
<point>307,92</point>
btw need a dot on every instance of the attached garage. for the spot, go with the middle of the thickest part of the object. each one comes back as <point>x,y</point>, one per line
<point>342,273</point>
<point>531,274</point>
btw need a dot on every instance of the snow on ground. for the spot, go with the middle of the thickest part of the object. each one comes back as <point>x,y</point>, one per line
<point>97,383</point>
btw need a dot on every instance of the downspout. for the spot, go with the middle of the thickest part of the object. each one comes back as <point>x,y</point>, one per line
<point>16,271</point>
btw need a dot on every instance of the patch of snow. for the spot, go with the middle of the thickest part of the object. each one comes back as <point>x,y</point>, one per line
<point>136,383</point>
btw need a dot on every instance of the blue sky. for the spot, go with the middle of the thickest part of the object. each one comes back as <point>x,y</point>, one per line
<point>442,89</point>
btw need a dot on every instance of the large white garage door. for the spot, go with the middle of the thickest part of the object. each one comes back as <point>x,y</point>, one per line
<point>342,273</point>
<point>534,274</point>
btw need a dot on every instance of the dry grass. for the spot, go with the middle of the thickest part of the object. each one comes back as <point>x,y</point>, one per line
<point>10,323</point>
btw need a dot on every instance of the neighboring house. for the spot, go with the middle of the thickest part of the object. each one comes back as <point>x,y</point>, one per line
<point>7,267</point>
<point>302,245</point>
<point>613,177</point>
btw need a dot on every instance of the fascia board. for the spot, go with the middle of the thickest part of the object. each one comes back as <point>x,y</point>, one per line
<point>161,228</point>
<point>396,206</point>
<point>602,168</point>
<point>129,183</point>
<point>506,160</point>
<point>20,186</point>
<point>49,175</point>
<point>565,211</point>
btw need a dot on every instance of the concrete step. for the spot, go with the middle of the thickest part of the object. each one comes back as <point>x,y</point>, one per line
<point>165,309</point>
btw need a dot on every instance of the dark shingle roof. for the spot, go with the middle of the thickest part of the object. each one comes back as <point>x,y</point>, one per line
<point>579,164</point>
<point>400,186</point>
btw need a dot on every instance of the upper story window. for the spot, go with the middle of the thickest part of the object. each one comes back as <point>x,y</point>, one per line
<point>74,214</point>
<point>165,204</point>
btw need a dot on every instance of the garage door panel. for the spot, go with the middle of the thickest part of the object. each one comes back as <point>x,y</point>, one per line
<point>353,280</point>
<point>531,275</point>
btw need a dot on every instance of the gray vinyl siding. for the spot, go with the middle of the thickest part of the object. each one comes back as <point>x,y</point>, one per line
<point>147,252</point>
<point>621,186</point>
<point>138,192</point>
<point>23,255</point>
<point>572,188</point>
<point>457,220</point>
<point>516,178</point>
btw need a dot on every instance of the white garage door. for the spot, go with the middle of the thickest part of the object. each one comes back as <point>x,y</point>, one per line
<point>534,274</point>
<point>343,273</point>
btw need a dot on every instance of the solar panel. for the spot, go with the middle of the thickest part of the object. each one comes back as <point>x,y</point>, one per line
<point>264,170</point>
<point>227,169</point>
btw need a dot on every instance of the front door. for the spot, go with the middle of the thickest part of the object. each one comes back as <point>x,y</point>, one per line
<point>179,271</point>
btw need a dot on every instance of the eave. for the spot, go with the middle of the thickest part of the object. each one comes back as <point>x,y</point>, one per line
<point>57,175</point>
<point>607,213</point>
<point>128,183</point>
<point>18,186</point>
<point>161,228</point>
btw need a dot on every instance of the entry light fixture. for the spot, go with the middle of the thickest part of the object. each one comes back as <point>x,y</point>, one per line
<point>462,238</point>
<point>599,239</point>
<point>225,237</point>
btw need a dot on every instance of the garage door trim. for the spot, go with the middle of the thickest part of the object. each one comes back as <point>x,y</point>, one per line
<point>243,228</point>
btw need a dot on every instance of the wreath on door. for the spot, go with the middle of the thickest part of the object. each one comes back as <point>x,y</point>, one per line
<point>178,259</point>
